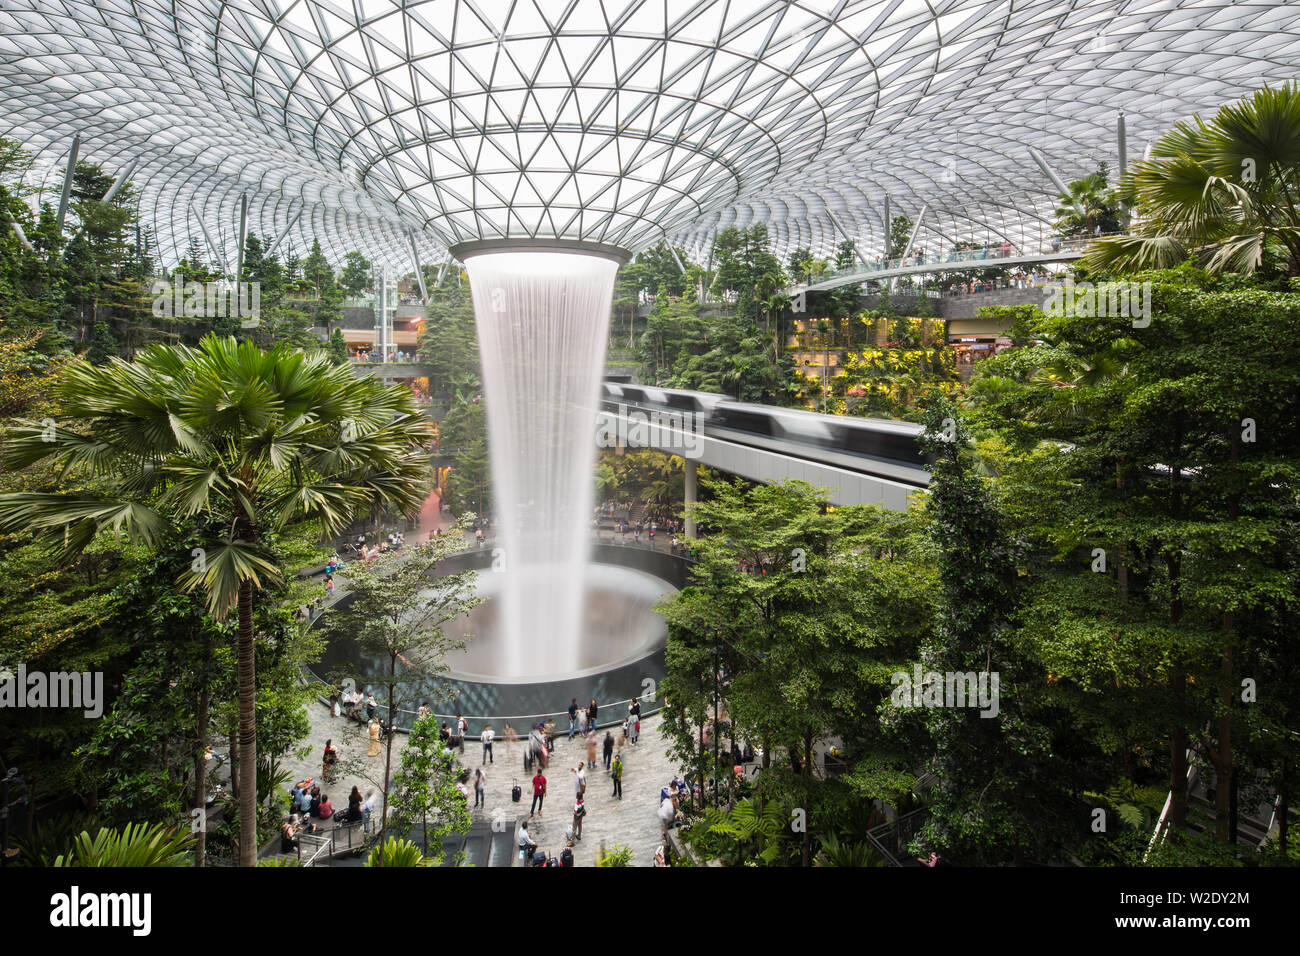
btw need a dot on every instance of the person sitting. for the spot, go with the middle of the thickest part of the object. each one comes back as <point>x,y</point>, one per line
<point>526,843</point>
<point>289,835</point>
<point>324,809</point>
<point>354,806</point>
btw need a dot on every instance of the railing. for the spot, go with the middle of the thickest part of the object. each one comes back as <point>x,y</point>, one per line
<point>891,839</point>
<point>312,846</point>
<point>987,254</point>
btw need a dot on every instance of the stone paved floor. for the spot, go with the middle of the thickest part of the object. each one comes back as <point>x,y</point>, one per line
<point>632,821</point>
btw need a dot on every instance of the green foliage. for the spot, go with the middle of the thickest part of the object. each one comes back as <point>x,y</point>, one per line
<point>615,855</point>
<point>1088,206</point>
<point>835,853</point>
<point>1220,192</point>
<point>133,845</point>
<point>425,791</point>
<point>900,231</point>
<point>448,342</point>
<point>355,277</point>
<point>394,852</point>
<point>800,646</point>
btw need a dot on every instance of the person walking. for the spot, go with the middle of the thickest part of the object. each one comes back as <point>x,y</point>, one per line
<point>539,793</point>
<point>591,747</point>
<point>579,811</point>
<point>609,748</point>
<point>480,785</point>
<point>487,737</point>
<point>327,762</point>
<point>617,774</point>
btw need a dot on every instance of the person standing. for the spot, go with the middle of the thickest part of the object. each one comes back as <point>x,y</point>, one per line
<point>609,748</point>
<point>591,713</point>
<point>617,774</point>
<point>374,739</point>
<point>462,728</point>
<point>591,747</point>
<point>573,717</point>
<point>539,793</point>
<point>480,785</point>
<point>579,780</point>
<point>487,737</point>
<point>371,705</point>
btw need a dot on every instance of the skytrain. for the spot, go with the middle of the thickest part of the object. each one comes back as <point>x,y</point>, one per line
<point>874,446</point>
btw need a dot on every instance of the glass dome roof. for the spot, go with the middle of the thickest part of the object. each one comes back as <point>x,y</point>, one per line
<point>372,122</point>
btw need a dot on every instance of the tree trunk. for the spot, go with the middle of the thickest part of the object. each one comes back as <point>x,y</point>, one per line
<point>1178,738</point>
<point>388,750</point>
<point>703,759</point>
<point>1224,823</point>
<point>1122,556</point>
<point>247,728</point>
<point>234,764</point>
<point>1178,758</point>
<point>200,756</point>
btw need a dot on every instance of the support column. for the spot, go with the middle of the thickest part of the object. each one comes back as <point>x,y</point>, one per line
<point>691,493</point>
<point>243,238</point>
<point>68,175</point>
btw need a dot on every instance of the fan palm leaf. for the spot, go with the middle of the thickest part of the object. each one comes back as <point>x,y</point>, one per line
<point>253,441</point>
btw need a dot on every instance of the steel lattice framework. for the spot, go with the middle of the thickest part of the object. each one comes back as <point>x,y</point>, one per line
<point>374,123</point>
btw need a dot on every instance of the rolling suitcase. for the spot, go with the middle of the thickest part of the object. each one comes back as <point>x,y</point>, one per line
<point>515,793</point>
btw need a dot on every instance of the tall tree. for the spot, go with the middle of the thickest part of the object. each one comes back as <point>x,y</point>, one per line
<point>1222,192</point>
<point>397,609</point>
<point>258,441</point>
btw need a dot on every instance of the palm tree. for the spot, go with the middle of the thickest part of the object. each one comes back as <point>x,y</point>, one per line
<point>1221,192</point>
<point>1087,205</point>
<point>254,441</point>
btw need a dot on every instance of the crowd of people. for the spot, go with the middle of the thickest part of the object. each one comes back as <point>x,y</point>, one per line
<point>609,749</point>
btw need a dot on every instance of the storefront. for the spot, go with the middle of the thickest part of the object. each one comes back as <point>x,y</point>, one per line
<point>972,348</point>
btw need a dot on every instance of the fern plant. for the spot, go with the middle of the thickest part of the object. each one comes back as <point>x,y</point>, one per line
<point>1137,807</point>
<point>748,824</point>
<point>835,853</point>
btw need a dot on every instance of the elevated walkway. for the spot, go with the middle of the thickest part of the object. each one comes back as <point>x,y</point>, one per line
<point>1067,251</point>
